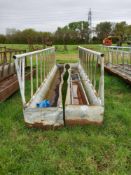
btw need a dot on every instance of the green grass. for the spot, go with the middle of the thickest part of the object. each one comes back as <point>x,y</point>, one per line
<point>88,150</point>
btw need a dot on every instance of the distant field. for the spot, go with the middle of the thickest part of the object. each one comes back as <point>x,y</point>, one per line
<point>88,150</point>
<point>70,55</point>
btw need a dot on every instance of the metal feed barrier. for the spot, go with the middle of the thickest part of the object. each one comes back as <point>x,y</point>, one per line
<point>90,61</point>
<point>85,88</point>
<point>118,61</point>
<point>44,60</point>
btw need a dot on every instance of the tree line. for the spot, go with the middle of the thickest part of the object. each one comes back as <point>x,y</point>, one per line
<point>73,33</point>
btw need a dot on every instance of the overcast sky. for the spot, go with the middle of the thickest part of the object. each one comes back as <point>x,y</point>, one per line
<point>47,15</point>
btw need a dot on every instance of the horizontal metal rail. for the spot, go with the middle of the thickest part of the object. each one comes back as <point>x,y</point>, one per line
<point>93,65</point>
<point>91,51</point>
<point>118,47</point>
<point>42,61</point>
<point>33,53</point>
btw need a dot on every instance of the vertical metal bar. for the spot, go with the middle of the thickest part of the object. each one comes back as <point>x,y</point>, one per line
<point>10,59</point>
<point>109,50</point>
<point>0,58</point>
<point>43,59</point>
<point>3,64</point>
<point>85,61</point>
<point>37,76</point>
<point>79,54</point>
<point>108,56</point>
<point>51,65</point>
<point>23,79</point>
<point>49,60</point>
<point>44,65</point>
<point>31,75</point>
<point>92,68</point>
<point>117,56</point>
<point>89,65</point>
<point>95,73</point>
<point>5,56</point>
<point>101,82</point>
<point>54,57</point>
<point>86,64</point>
<point>128,60</point>
<point>20,65</point>
<point>18,70</point>
<point>47,65</point>
<point>10,56</point>
<point>123,56</point>
<point>112,56</point>
<point>82,57</point>
<point>40,67</point>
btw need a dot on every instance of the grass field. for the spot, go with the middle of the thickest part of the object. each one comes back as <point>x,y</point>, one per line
<point>88,150</point>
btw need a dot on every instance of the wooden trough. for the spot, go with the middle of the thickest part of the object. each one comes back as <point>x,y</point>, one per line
<point>10,85</point>
<point>83,103</point>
